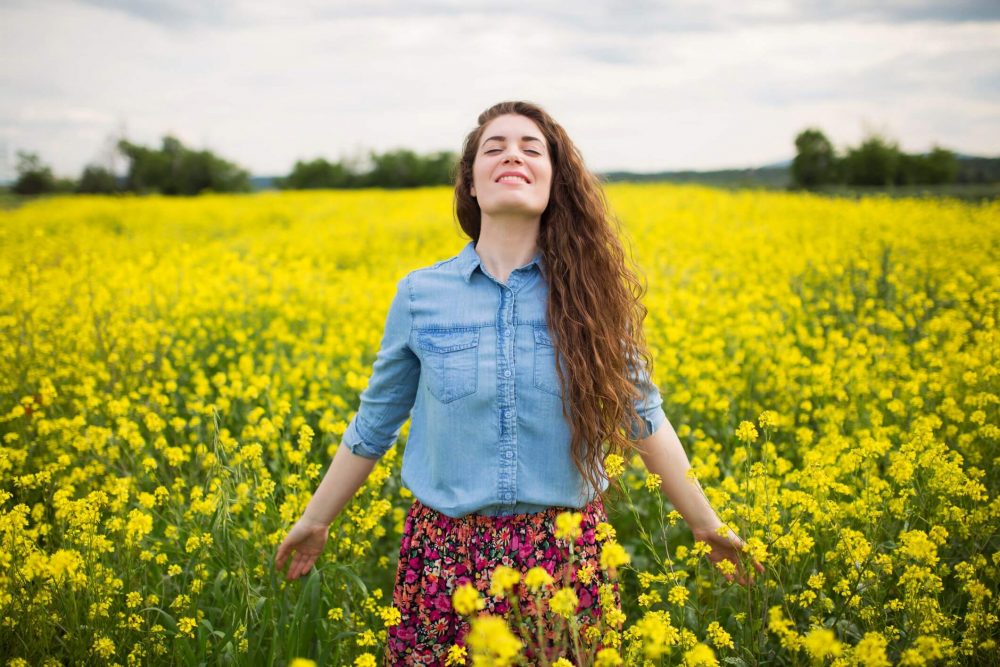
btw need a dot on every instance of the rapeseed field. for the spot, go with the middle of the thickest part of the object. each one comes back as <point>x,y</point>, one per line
<point>175,375</point>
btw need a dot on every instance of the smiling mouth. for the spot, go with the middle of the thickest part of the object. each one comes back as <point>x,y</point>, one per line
<point>512,179</point>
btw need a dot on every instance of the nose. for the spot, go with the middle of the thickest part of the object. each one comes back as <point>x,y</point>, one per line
<point>512,157</point>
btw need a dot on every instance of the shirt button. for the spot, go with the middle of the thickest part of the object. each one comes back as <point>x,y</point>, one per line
<point>506,374</point>
<point>509,454</point>
<point>506,413</point>
<point>506,332</point>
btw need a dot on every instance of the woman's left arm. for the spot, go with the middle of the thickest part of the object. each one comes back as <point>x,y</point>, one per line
<point>664,455</point>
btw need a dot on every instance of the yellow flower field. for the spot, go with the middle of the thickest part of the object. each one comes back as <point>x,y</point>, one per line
<point>175,375</point>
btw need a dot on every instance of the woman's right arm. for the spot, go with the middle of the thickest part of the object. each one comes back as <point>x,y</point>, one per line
<point>306,539</point>
<point>385,405</point>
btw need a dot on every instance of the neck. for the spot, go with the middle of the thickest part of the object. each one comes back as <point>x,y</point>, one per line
<point>507,244</point>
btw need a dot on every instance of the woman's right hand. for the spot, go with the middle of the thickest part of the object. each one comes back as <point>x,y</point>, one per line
<point>306,540</point>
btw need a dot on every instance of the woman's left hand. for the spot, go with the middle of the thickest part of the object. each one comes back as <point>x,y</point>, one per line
<point>726,547</point>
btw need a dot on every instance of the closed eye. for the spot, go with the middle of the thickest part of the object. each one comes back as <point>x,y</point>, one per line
<point>528,150</point>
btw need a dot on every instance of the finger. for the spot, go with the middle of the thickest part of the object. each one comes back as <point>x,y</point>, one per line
<point>302,566</point>
<point>293,571</point>
<point>279,559</point>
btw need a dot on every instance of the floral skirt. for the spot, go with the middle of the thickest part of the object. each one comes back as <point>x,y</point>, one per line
<point>440,553</point>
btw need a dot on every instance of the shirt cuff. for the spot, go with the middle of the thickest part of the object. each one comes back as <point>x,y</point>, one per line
<point>651,421</point>
<point>356,443</point>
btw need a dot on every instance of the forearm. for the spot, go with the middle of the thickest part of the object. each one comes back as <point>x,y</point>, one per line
<point>664,455</point>
<point>346,474</point>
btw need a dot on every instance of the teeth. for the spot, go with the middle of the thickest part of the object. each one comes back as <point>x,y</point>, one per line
<point>513,178</point>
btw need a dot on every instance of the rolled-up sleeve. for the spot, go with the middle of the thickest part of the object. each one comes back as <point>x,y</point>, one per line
<point>387,401</point>
<point>649,405</point>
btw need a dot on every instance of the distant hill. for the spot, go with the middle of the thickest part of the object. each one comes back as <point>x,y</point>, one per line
<point>766,177</point>
<point>262,182</point>
<point>971,170</point>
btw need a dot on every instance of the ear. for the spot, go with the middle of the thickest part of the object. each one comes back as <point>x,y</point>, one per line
<point>472,191</point>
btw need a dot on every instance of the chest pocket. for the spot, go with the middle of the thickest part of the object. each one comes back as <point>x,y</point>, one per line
<point>546,378</point>
<point>451,359</point>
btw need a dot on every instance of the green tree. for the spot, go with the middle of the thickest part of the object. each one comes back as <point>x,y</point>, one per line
<point>942,166</point>
<point>393,169</point>
<point>815,161</point>
<point>937,167</point>
<point>874,162</point>
<point>97,180</point>
<point>33,177</point>
<point>403,168</point>
<point>319,173</point>
<point>396,169</point>
<point>177,170</point>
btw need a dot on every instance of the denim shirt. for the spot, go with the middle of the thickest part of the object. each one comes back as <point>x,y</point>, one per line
<point>472,358</point>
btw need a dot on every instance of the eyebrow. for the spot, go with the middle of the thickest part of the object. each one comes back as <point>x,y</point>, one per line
<point>524,138</point>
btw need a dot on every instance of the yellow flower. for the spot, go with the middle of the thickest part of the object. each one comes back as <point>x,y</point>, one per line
<point>608,657</point>
<point>918,546</point>
<point>613,555</point>
<point>653,482</point>
<point>700,655</point>
<point>302,662</point>
<point>585,574</point>
<point>701,548</point>
<point>614,465</point>
<point>767,419</point>
<point>870,651</point>
<point>390,616</point>
<point>537,578</point>
<point>719,636</point>
<point>492,642</point>
<point>139,525</point>
<point>822,643</point>
<point>568,525</point>
<point>186,625</point>
<point>365,660</point>
<point>456,655</point>
<point>103,647</point>
<point>604,531</point>
<point>657,634</point>
<point>503,580</point>
<point>466,599</point>
<point>564,602</point>
<point>562,662</point>
<point>677,595</point>
<point>746,432</point>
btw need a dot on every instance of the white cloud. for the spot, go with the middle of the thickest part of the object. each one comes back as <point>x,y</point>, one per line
<point>638,87</point>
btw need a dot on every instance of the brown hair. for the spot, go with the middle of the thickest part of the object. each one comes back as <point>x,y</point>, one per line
<point>594,309</point>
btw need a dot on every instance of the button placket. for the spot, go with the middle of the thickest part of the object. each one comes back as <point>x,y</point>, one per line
<point>506,396</point>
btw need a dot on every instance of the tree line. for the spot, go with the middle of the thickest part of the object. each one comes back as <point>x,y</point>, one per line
<point>174,169</point>
<point>877,161</point>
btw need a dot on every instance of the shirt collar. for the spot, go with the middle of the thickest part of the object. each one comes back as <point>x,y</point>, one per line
<point>468,260</point>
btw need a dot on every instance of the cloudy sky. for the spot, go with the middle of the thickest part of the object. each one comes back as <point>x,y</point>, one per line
<point>639,85</point>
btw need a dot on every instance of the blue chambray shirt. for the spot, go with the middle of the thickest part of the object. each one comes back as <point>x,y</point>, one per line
<point>472,358</point>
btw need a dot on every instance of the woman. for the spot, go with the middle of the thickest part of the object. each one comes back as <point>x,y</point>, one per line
<point>502,436</point>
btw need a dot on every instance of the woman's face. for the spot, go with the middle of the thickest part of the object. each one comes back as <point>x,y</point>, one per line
<point>512,144</point>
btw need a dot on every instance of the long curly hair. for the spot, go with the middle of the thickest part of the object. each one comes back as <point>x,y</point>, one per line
<point>594,311</point>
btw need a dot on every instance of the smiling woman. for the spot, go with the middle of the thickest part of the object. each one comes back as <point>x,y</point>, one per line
<point>523,361</point>
<point>512,177</point>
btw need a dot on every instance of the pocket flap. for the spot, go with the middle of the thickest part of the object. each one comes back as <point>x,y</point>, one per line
<point>447,340</point>
<point>542,336</point>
